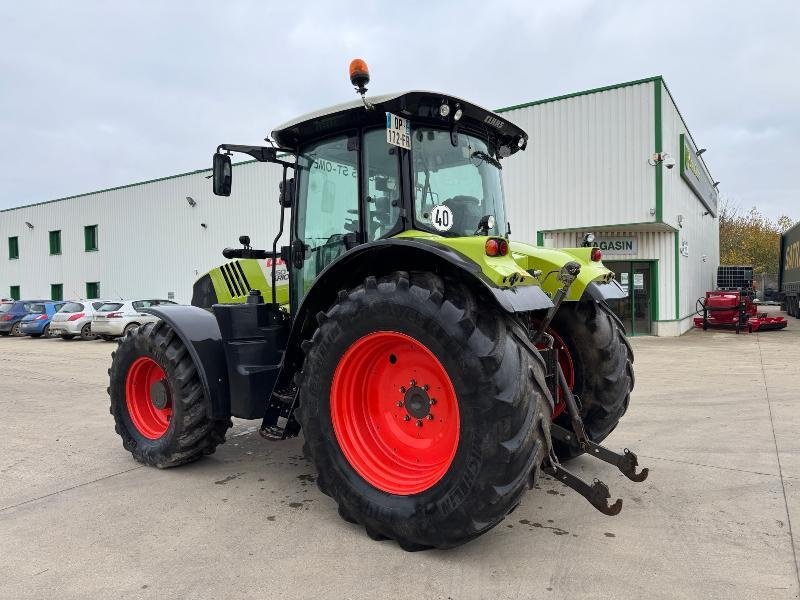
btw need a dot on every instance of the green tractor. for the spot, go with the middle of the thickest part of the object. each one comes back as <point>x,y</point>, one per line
<point>434,367</point>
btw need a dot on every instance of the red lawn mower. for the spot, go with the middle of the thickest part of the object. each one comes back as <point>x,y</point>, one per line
<point>731,305</point>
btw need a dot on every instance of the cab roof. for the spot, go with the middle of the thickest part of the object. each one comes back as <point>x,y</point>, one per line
<point>419,106</point>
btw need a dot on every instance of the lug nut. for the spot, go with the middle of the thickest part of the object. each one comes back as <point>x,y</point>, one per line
<point>419,423</point>
<point>402,389</point>
<point>426,387</point>
<point>406,418</point>
<point>433,401</point>
<point>430,417</point>
<point>413,382</point>
<point>400,403</point>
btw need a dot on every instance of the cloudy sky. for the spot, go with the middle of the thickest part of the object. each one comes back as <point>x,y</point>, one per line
<point>98,94</point>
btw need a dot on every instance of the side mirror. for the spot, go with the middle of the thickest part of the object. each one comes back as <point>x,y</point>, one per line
<point>222,174</point>
<point>286,196</point>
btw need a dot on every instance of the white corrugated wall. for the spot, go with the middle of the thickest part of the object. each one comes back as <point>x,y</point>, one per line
<point>150,239</point>
<point>701,232</point>
<point>585,164</point>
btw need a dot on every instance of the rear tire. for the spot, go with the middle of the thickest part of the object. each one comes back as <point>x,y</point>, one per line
<point>500,408</point>
<point>86,332</point>
<point>15,330</point>
<point>46,331</point>
<point>603,367</point>
<point>178,432</point>
<point>130,327</point>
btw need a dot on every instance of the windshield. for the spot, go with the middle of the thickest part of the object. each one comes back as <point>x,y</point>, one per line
<point>456,186</point>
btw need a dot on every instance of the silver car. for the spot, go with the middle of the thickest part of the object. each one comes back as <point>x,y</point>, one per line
<point>114,319</point>
<point>75,318</point>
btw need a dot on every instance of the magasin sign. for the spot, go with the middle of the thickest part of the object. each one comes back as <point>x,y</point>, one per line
<point>617,245</point>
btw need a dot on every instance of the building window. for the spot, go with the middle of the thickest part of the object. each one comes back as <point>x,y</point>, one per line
<point>14,292</point>
<point>13,247</point>
<point>92,289</point>
<point>56,291</point>
<point>55,242</point>
<point>90,237</point>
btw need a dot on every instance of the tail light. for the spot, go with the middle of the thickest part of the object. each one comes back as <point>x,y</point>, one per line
<point>596,254</point>
<point>6,317</point>
<point>76,316</point>
<point>496,247</point>
<point>114,315</point>
<point>41,317</point>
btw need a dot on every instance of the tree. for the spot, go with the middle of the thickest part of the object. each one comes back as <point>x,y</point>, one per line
<point>750,238</point>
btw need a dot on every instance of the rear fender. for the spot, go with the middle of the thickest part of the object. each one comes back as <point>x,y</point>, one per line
<point>200,333</point>
<point>594,280</point>
<point>386,256</point>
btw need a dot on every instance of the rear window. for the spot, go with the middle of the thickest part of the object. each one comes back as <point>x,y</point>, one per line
<point>109,306</point>
<point>4,308</point>
<point>35,309</point>
<point>71,307</point>
<point>97,305</point>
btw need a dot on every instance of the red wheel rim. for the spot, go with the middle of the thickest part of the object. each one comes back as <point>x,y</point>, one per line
<point>567,366</point>
<point>152,422</point>
<point>395,413</point>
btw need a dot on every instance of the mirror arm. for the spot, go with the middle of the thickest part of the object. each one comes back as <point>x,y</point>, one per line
<point>260,153</point>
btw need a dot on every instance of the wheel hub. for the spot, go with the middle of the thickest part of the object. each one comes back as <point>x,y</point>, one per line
<point>159,394</point>
<point>417,402</point>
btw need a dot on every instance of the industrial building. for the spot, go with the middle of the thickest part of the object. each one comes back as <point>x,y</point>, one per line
<point>618,162</point>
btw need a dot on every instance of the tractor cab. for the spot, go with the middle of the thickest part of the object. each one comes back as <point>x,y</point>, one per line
<point>412,164</point>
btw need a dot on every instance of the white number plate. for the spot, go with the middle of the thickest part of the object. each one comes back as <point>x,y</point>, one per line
<point>398,131</point>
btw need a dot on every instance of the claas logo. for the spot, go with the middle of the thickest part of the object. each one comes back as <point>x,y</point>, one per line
<point>792,257</point>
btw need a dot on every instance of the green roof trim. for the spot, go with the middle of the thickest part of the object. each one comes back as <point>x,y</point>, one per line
<point>606,88</point>
<point>120,187</point>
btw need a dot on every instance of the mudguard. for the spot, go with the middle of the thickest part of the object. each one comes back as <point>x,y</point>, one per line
<point>399,254</point>
<point>200,333</point>
<point>611,290</point>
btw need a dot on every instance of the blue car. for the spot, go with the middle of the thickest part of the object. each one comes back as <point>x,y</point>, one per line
<point>37,322</point>
<point>12,313</point>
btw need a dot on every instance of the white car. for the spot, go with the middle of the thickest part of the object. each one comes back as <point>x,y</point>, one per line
<point>114,319</point>
<point>75,318</point>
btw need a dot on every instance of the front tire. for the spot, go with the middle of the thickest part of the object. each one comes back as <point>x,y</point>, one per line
<point>603,368</point>
<point>367,367</point>
<point>157,400</point>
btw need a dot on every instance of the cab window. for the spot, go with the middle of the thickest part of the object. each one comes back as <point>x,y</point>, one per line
<point>381,184</point>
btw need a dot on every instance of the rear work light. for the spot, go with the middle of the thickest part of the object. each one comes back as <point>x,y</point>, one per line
<point>76,316</point>
<point>596,254</point>
<point>114,315</point>
<point>496,247</point>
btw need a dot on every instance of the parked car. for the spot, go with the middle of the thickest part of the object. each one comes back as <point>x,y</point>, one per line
<point>11,314</point>
<point>75,318</point>
<point>114,319</point>
<point>37,322</point>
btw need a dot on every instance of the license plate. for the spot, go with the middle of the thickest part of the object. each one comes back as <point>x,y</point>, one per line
<point>398,131</point>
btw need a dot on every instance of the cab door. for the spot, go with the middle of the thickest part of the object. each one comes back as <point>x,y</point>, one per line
<point>326,216</point>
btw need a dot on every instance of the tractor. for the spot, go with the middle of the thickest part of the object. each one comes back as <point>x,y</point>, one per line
<point>435,367</point>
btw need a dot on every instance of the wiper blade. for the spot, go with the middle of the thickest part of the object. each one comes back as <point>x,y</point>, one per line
<point>483,156</point>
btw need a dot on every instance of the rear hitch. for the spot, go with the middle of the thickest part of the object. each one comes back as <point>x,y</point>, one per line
<point>625,462</point>
<point>597,493</point>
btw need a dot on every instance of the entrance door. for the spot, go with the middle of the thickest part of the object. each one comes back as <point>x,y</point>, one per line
<point>636,310</point>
